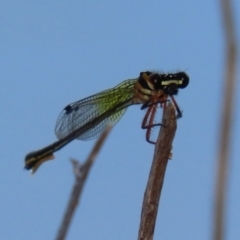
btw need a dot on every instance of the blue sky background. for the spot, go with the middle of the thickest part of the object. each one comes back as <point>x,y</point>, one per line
<point>55,52</point>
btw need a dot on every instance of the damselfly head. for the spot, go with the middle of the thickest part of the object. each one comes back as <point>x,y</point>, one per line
<point>179,79</point>
<point>170,82</point>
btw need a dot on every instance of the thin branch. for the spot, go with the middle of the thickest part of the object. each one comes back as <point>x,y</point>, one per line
<point>81,172</point>
<point>156,176</point>
<point>227,117</point>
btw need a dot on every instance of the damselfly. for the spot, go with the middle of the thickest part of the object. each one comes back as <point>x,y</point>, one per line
<point>85,119</point>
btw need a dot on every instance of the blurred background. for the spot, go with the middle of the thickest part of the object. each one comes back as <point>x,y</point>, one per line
<point>54,53</point>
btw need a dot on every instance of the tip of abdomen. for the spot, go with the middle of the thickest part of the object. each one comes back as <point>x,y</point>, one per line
<point>33,160</point>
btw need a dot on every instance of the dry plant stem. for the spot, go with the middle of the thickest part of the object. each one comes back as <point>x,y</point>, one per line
<point>226,124</point>
<point>81,173</point>
<point>156,176</point>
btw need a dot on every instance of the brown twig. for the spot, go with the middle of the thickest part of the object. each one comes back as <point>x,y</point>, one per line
<point>156,176</point>
<point>227,117</point>
<point>81,173</point>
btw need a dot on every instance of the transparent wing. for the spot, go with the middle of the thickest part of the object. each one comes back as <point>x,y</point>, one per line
<point>95,112</point>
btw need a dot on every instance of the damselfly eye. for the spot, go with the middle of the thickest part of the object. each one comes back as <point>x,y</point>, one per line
<point>185,79</point>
